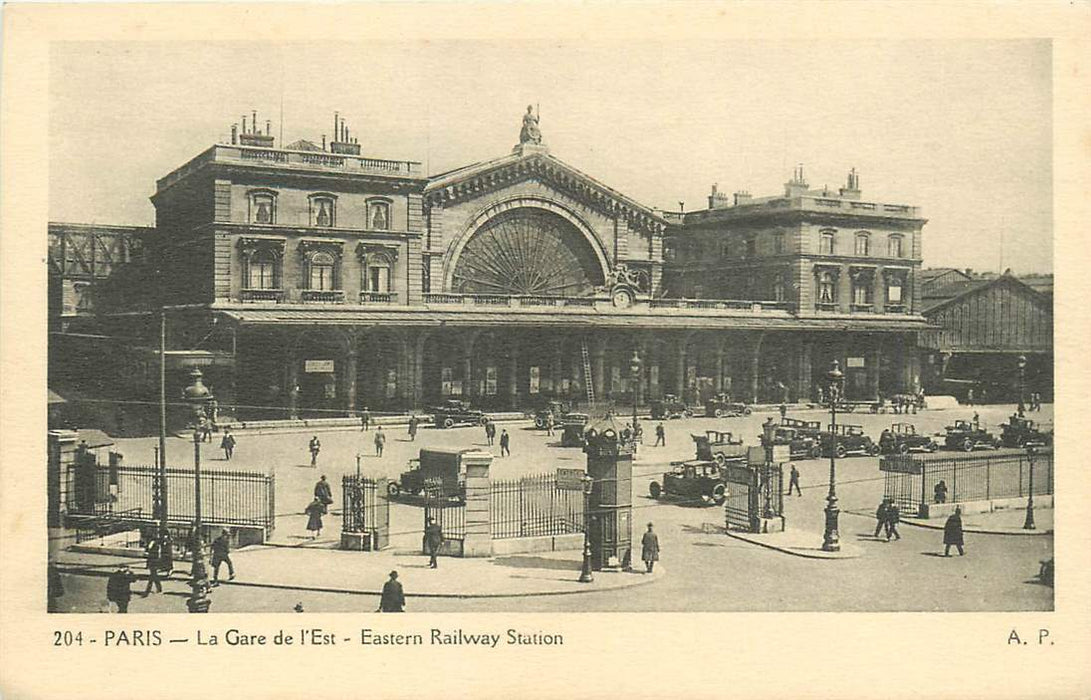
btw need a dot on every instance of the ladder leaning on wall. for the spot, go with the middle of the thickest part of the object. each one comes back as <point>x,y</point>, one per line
<point>587,381</point>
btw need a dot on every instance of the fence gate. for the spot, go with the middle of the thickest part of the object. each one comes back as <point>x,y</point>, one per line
<point>366,509</point>
<point>753,493</point>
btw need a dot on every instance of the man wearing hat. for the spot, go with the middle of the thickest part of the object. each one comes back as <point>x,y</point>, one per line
<point>393,598</point>
<point>118,589</point>
<point>649,549</point>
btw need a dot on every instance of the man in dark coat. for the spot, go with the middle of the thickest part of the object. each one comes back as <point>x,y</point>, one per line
<point>158,561</point>
<point>323,492</point>
<point>893,517</point>
<point>490,432</point>
<point>433,539</point>
<point>952,533</point>
<point>505,443</point>
<point>412,428</point>
<point>55,588</point>
<point>118,589</point>
<point>649,549</point>
<point>880,517</point>
<point>365,419</point>
<point>315,446</point>
<point>393,598</point>
<point>793,481</point>
<point>380,441</point>
<point>227,444</point>
<point>660,436</point>
<point>221,548</point>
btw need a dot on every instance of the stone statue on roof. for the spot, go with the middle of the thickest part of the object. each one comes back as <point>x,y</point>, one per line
<point>530,132</point>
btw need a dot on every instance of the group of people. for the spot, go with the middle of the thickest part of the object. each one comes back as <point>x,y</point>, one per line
<point>505,438</point>
<point>887,517</point>
<point>1035,401</point>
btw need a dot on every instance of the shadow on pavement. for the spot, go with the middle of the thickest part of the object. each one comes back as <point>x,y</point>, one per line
<point>934,554</point>
<point>524,562</point>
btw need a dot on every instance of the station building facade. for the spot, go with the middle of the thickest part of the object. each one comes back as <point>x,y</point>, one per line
<point>313,280</point>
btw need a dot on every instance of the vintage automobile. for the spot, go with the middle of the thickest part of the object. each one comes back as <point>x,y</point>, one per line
<point>806,428</point>
<point>902,438</point>
<point>721,406</point>
<point>968,436</point>
<point>436,473</point>
<point>670,406</point>
<point>556,409</point>
<point>1023,432</point>
<point>699,481</point>
<point>719,446</point>
<point>455,412</point>
<point>800,445</point>
<point>572,433</point>
<point>850,440</point>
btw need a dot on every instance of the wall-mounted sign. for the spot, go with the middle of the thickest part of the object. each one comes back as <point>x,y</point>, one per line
<point>855,362</point>
<point>318,366</point>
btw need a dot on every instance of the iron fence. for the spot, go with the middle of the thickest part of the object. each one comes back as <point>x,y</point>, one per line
<point>911,481</point>
<point>366,508</point>
<point>126,493</point>
<point>450,515</point>
<point>753,493</point>
<point>535,506</point>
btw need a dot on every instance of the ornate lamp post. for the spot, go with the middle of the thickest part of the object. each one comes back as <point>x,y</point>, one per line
<point>1021,363</point>
<point>585,572</point>
<point>1028,523</point>
<point>635,366</point>
<point>197,395</point>
<point>831,540</point>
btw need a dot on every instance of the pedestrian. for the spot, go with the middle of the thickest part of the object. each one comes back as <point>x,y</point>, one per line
<point>54,588</point>
<point>940,492</point>
<point>893,517</point>
<point>214,414</point>
<point>783,411</point>
<point>880,518</point>
<point>649,549</point>
<point>365,420</point>
<point>412,428</point>
<point>433,539</point>
<point>323,492</point>
<point>952,533</point>
<point>393,597</point>
<point>490,432</point>
<point>118,588</point>
<point>221,554</point>
<point>505,443</point>
<point>977,420</point>
<point>970,396</point>
<point>227,444</point>
<point>549,424</point>
<point>380,441</point>
<point>660,435</point>
<point>314,512</point>
<point>158,550</point>
<point>793,481</point>
<point>206,429</point>
<point>315,447</point>
<point>627,434</point>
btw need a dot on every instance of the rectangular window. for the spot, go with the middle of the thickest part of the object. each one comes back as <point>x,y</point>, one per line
<point>378,279</point>
<point>861,245</point>
<point>826,244</point>
<point>860,294</point>
<point>490,381</point>
<point>778,243</point>
<point>894,293</point>
<point>895,246</point>
<point>445,375</point>
<point>426,277</point>
<point>535,378</point>
<point>322,278</point>
<point>262,274</point>
<point>391,383</point>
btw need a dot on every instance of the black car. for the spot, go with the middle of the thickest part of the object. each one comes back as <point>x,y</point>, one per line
<point>902,438</point>
<point>436,473</point>
<point>670,406</point>
<point>1023,432</point>
<point>698,481</point>
<point>718,446</point>
<point>800,446</point>
<point>968,436</point>
<point>455,412</point>
<point>556,409</point>
<point>721,406</point>
<point>574,425</point>
<point>805,428</point>
<point>850,439</point>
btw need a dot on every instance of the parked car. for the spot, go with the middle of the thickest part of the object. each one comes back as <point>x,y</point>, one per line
<point>719,446</point>
<point>556,409</point>
<point>695,480</point>
<point>1023,432</point>
<point>455,412</point>
<point>850,440</point>
<point>902,438</point>
<point>968,436</point>
<point>800,446</point>
<point>721,406</point>
<point>574,425</point>
<point>670,406</point>
<point>435,473</point>
<point>806,428</point>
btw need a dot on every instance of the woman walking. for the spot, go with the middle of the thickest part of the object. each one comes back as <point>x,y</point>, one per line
<point>315,511</point>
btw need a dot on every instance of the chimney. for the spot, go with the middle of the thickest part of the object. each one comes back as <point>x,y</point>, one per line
<point>717,200</point>
<point>244,123</point>
<point>851,190</point>
<point>268,128</point>
<point>969,272</point>
<point>253,136</point>
<point>323,142</point>
<point>341,143</point>
<point>742,197</point>
<point>797,186</point>
<point>234,134</point>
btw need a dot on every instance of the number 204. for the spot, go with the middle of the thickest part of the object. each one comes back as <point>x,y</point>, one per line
<point>67,638</point>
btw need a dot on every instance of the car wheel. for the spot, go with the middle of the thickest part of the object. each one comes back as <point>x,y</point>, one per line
<point>539,423</point>
<point>967,445</point>
<point>720,458</point>
<point>687,413</point>
<point>746,411</point>
<point>904,448</point>
<point>719,494</point>
<point>933,446</point>
<point>719,413</point>
<point>448,422</point>
<point>840,451</point>
<point>655,490</point>
<point>816,452</point>
<point>392,490</point>
<point>483,420</point>
<point>873,449</point>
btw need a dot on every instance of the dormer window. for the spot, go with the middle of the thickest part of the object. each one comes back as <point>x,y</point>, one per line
<point>863,244</point>
<point>323,210</point>
<point>378,215</point>
<point>263,207</point>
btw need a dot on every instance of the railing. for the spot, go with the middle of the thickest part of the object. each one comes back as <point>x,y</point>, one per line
<point>730,304</point>
<point>365,508</point>
<point>275,295</point>
<point>324,160</point>
<point>862,307</point>
<point>442,298</point>
<point>322,296</point>
<point>894,308</point>
<point>826,305</point>
<point>274,156</point>
<point>378,297</point>
<point>535,506</point>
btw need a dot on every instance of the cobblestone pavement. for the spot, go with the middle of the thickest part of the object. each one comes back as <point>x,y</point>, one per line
<point>707,570</point>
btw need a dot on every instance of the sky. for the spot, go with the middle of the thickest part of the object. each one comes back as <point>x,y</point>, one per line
<point>962,129</point>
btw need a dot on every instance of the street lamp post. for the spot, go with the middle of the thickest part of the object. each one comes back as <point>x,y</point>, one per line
<point>634,370</point>
<point>585,572</point>
<point>831,540</point>
<point>1021,363</point>
<point>197,395</point>
<point>1028,523</point>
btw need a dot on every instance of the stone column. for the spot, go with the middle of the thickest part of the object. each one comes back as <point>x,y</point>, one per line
<point>416,391</point>
<point>351,354</point>
<point>755,368</point>
<point>803,370</point>
<point>598,367</point>
<point>874,358</point>
<point>680,371</point>
<point>291,384</point>
<point>555,367</point>
<point>718,380</point>
<point>477,541</point>
<point>878,293</point>
<point>513,374</point>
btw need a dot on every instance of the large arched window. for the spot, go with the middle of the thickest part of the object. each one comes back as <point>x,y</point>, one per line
<point>863,243</point>
<point>827,288</point>
<point>321,272</point>
<point>263,270</point>
<point>377,274</point>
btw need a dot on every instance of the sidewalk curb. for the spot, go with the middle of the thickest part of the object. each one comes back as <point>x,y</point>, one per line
<point>795,552</point>
<point>641,580</point>
<point>917,522</point>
